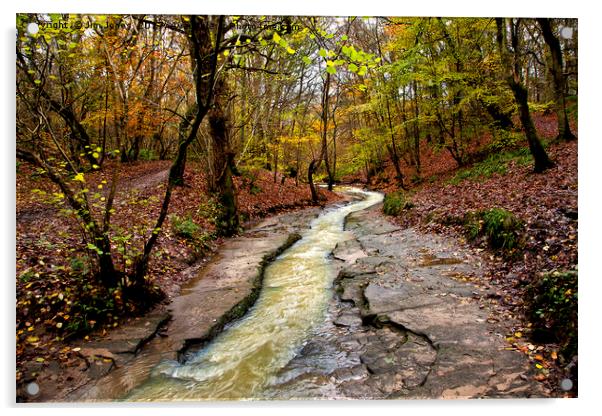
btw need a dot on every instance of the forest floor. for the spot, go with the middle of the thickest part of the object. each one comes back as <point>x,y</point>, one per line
<point>545,203</point>
<point>50,256</point>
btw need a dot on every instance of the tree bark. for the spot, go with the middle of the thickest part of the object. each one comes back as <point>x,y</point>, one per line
<point>223,162</point>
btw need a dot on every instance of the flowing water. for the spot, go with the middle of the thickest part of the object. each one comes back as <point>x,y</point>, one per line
<point>243,359</point>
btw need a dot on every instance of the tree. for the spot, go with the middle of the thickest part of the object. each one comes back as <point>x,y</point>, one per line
<point>556,68</point>
<point>205,36</point>
<point>511,68</point>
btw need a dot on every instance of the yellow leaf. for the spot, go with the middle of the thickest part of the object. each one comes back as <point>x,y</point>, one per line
<point>79,177</point>
<point>40,359</point>
<point>518,334</point>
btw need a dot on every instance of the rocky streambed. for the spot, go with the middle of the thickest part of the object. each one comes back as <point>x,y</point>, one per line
<point>404,322</point>
<point>397,317</point>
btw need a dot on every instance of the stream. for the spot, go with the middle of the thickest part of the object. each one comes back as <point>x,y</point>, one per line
<point>241,361</point>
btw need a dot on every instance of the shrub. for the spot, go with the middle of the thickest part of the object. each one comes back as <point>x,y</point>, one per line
<point>254,189</point>
<point>210,210</point>
<point>504,140</point>
<point>395,202</point>
<point>500,227</point>
<point>147,154</point>
<point>184,227</point>
<point>552,307</point>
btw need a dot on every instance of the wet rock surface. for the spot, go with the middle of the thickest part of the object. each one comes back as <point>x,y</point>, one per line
<point>401,325</point>
<point>222,291</point>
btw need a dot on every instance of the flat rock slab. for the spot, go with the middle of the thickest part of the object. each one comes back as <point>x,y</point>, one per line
<point>349,251</point>
<point>403,327</point>
<point>130,337</point>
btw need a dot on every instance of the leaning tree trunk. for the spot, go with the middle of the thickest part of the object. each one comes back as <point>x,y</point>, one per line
<point>556,69</point>
<point>512,72</point>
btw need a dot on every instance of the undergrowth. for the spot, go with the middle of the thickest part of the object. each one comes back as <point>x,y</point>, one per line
<point>552,307</point>
<point>499,227</point>
<point>496,163</point>
<point>395,202</point>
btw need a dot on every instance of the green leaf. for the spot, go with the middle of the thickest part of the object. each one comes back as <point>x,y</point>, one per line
<point>276,37</point>
<point>331,70</point>
<point>344,37</point>
<point>306,60</point>
<point>322,53</point>
<point>353,67</point>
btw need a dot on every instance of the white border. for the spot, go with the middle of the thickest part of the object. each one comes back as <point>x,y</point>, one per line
<point>590,152</point>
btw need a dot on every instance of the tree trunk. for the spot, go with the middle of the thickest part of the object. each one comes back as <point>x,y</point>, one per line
<point>540,157</point>
<point>223,162</point>
<point>416,131</point>
<point>182,134</point>
<point>393,149</point>
<point>556,68</point>
<point>315,196</point>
